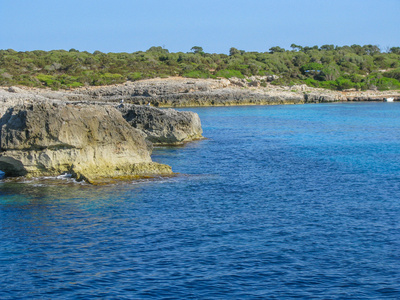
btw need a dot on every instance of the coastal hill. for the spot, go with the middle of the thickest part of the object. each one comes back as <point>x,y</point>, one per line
<point>332,67</point>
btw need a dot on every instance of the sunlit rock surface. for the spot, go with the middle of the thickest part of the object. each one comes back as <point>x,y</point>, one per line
<point>88,141</point>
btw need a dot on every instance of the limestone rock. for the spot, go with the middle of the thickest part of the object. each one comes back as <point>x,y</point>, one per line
<point>89,141</point>
<point>163,126</point>
<point>254,83</point>
<point>13,89</point>
<point>238,81</point>
<point>318,96</point>
<point>272,77</point>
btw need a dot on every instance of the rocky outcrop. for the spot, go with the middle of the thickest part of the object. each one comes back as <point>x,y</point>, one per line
<point>89,141</point>
<point>255,90</point>
<point>322,96</point>
<point>184,92</point>
<point>163,126</point>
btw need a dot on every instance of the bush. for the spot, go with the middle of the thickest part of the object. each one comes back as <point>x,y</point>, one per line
<point>196,74</point>
<point>47,80</point>
<point>312,82</point>
<point>108,78</point>
<point>229,74</point>
<point>329,84</point>
<point>135,76</point>
<point>344,84</point>
<point>75,84</point>
<point>385,84</point>
<point>393,74</point>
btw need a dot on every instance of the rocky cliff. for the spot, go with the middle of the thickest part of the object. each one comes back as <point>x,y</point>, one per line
<point>90,141</point>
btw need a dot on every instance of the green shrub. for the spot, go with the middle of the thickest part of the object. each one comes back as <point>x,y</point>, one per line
<point>329,84</point>
<point>135,76</point>
<point>229,74</point>
<point>47,80</point>
<point>393,74</point>
<point>108,78</point>
<point>196,74</point>
<point>384,84</point>
<point>344,84</point>
<point>75,84</point>
<point>311,82</point>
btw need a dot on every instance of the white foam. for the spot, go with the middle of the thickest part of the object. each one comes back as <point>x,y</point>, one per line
<point>64,176</point>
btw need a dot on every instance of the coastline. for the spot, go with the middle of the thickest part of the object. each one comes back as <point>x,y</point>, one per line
<point>188,92</point>
<point>49,133</point>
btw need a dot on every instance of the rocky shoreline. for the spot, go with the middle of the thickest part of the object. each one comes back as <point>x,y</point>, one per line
<point>94,142</point>
<point>187,92</point>
<point>98,133</point>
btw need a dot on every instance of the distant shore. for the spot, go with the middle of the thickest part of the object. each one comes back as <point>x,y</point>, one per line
<point>188,92</point>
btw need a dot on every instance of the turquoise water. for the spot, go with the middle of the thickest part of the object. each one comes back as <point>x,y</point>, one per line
<point>279,202</point>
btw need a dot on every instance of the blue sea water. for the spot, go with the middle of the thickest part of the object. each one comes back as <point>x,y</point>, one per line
<point>278,202</point>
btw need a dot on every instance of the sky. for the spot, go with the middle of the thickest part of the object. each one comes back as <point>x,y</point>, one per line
<point>178,25</point>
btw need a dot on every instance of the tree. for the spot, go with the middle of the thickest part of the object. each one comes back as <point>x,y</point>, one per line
<point>296,47</point>
<point>197,50</point>
<point>371,49</point>
<point>305,49</point>
<point>300,59</point>
<point>276,49</point>
<point>233,51</point>
<point>395,50</point>
<point>358,49</point>
<point>327,47</point>
<point>157,49</point>
<point>330,72</point>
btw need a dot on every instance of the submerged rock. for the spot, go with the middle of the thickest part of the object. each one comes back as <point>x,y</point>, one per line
<point>88,141</point>
<point>163,126</point>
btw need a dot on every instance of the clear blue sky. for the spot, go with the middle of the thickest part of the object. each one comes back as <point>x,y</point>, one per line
<point>215,25</point>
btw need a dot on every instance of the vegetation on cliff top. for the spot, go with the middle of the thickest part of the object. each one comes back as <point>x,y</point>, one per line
<point>333,67</point>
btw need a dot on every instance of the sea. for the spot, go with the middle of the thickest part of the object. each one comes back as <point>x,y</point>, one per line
<point>277,202</point>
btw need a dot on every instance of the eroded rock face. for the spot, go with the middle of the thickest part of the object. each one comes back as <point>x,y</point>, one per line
<point>163,126</point>
<point>89,141</point>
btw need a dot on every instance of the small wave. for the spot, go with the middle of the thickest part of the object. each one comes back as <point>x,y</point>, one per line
<point>64,179</point>
<point>64,176</point>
